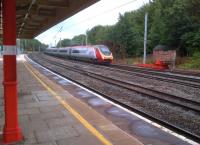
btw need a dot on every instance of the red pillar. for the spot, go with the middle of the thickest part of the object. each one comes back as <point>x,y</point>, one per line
<point>11,132</point>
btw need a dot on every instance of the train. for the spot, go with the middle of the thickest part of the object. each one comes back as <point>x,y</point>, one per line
<point>93,53</point>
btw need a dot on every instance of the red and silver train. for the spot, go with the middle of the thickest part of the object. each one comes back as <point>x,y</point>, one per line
<point>93,53</point>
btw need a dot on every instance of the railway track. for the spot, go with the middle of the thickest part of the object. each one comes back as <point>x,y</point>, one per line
<point>175,71</point>
<point>165,78</point>
<point>166,74</point>
<point>187,72</point>
<point>194,73</point>
<point>175,100</point>
<point>149,74</point>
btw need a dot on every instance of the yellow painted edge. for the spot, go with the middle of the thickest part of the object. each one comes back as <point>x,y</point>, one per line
<point>71,110</point>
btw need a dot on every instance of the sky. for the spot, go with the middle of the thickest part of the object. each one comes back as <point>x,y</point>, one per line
<point>104,12</point>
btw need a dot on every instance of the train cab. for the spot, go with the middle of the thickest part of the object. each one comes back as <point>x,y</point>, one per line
<point>103,54</point>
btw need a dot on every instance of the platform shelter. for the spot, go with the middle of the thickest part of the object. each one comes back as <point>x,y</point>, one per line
<point>26,19</point>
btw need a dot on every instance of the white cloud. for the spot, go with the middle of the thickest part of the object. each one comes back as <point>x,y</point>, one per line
<point>104,12</point>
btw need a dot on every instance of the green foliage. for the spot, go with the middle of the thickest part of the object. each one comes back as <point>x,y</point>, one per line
<point>176,23</point>
<point>31,45</point>
<point>64,43</point>
<point>79,40</point>
<point>76,40</point>
<point>193,62</point>
<point>98,34</point>
<point>173,23</point>
<point>191,41</point>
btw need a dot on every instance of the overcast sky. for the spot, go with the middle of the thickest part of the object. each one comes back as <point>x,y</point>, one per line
<point>104,12</point>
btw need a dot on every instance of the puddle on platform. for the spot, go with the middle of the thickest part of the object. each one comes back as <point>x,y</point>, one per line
<point>97,102</point>
<point>46,73</point>
<point>121,113</point>
<point>63,82</point>
<point>56,78</point>
<point>84,94</point>
<point>117,112</point>
<point>144,130</point>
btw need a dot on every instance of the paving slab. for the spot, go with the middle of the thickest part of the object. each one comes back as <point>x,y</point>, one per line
<point>44,121</point>
<point>41,117</point>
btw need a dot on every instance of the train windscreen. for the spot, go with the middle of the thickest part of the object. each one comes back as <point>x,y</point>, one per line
<point>105,50</point>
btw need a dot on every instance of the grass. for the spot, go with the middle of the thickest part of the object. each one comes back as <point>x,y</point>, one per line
<point>181,62</point>
<point>191,62</point>
<point>134,60</point>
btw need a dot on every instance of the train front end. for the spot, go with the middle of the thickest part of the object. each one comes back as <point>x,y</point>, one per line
<point>103,54</point>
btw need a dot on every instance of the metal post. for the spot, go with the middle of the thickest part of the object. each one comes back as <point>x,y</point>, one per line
<point>86,39</point>
<point>145,38</point>
<point>60,43</point>
<point>39,48</point>
<point>33,46</point>
<point>25,46</point>
<point>18,46</point>
<point>11,132</point>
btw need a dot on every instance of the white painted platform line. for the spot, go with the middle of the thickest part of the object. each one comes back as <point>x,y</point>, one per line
<point>135,114</point>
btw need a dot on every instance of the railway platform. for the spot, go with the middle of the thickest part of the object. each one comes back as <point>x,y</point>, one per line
<point>56,111</point>
<point>49,115</point>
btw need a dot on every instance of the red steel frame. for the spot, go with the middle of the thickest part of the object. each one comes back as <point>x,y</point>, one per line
<point>11,132</point>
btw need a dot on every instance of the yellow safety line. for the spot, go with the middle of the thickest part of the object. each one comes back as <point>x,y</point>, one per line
<point>71,110</point>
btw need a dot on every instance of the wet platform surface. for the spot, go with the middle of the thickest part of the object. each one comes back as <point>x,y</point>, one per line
<point>129,122</point>
<point>45,121</point>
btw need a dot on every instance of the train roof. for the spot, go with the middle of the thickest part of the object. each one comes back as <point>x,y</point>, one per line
<point>100,45</point>
<point>79,46</point>
<point>84,46</point>
<point>87,46</point>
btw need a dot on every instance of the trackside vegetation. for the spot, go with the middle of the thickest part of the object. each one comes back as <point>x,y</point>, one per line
<point>192,62</point>
<point>173,23</point>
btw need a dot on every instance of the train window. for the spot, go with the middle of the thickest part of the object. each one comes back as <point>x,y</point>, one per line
<point>54,50</point>
<point>83,50</point>
<point>75,51</point>
<point>63,51</point>
<point>104,50</point>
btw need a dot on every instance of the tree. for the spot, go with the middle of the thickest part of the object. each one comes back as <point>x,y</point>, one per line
<point>98,34</point>
<point>174,23</point>
<point>64,43</point>
<point>79,40</point>
<point>31,45</point>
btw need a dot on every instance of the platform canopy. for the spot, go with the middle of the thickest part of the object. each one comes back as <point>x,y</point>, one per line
<point>35,16</point>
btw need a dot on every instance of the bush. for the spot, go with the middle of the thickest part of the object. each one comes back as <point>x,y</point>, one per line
<point>193,62</point>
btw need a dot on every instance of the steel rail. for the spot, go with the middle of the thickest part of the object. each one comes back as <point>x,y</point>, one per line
<point>144,75</point>
<point>164,97</point>
<point>142,113</point>
<point>150,71</point>
<point>175,71</point>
